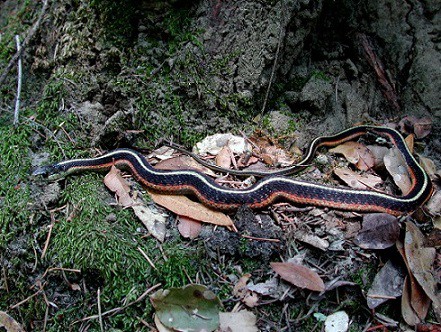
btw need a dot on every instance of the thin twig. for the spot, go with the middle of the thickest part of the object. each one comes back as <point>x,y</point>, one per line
<point>17,100</point>
<point>100,316</point>
<point>26,299</point>
<point>59,269</point>
<point>5,278</point>
<point>273,70</point>
<point>147,258</point>
<point>46,244</point>
<point>118,309</point>
<point>30,35</point>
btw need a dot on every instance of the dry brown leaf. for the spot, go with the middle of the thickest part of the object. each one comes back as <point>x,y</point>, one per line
<point>299,276</point>
<point>357,181</point>
<point>417,298</point>
<point>434,206</point>
<point>378,153</point>
<point>311,239</point>
<point>397,168</point>
<point>116,183</point>
<point>387,284</point>
<point>270,152</point>
<point>245,160</point>
<point>420,260</point>
<point>223,158</point>
<point>183,206</point>
<point>154,222</point>
<point>241,321</point>
<point>189,228</point>
<point>356,153</point>
<point>407,311</point>
<point>410,142</point>
<point>151,219</point>
<point>428,165</point>
<point>379,231</point>
<point>266,288</point>
<point>240,288</point>
<point>433,239</point>
<point>9,323</point>
<point>251,300</point>
<point>183,162</point>
<point>422,127</point>
<point>267,159</point>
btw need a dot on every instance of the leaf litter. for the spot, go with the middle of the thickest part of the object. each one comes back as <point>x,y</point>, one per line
<point>378,231</point>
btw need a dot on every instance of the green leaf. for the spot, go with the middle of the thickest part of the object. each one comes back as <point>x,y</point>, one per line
<point>191,308</point>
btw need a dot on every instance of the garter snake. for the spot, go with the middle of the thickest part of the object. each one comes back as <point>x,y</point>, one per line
<point>272,187</point>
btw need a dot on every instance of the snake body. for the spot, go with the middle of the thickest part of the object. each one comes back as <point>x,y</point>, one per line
<point>270,188</point>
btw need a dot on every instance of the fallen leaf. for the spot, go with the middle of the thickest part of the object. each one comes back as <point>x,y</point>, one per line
<point>9,323</point>
<point>379,231</point>
<point>397,168</point>
<point>410,142</point>
<point>417,298</point>
<point>420,260</point>
<point>337,322</point>
<point>152,219</point>
<point>434,206</point>
<point>240,288</point>
<point>357,181</point>
<point>356,153</point>
<point>299,276</point>
<point>433,239</point>
<point>183,206</point>
<point>311,239</point>
<point>188,227</point>
<point>251,300</point>
<point>270,152</point>
<point>190,308</point>
<point>161,327</point>
<point>162,153</point>
<point>245,160</point>
<point>387,321</point>
<point>428,165</point>
<point>407,311</point>
<point>338,283</point>
<point>387,284</point>
<point>223,158</point>
<point>241,321</point>
<point>183,162</point>
<point>268,287</point>
<point>422,127</point>
<point>213,144</point>
<point>406,124</point>
<point>116,183</point>
<point>267,159</point>
<point>378,152</point>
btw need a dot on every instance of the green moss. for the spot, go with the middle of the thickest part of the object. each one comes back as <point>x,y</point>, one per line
<point>179,263</point>
<point>118,17</point>
<point>320,75</point>
<point>106,250</point>
<point>14,167</point>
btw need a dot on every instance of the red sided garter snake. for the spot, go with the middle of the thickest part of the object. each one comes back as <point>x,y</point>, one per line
<point>272,187</point>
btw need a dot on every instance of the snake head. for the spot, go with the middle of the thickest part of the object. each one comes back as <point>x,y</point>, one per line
<point>49,172</point>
